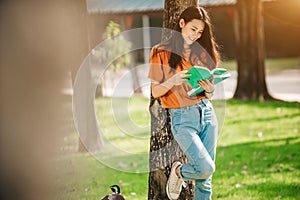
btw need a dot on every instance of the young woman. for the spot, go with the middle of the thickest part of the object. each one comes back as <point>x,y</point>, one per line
<point>193,120</point>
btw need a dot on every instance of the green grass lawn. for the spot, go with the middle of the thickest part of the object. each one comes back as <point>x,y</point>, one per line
<point>258,153</point>
<point>257,156</point>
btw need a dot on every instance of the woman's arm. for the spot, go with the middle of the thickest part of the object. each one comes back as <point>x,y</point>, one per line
<point>160,89</point>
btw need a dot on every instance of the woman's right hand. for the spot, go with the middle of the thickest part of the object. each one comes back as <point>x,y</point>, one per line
<point>178,78</point>
<point>159,89</point>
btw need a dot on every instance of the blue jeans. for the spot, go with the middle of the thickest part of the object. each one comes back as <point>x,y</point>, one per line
<point>195,129</point>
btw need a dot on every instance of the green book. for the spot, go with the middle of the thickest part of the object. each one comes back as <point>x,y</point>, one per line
<point>198,73</point>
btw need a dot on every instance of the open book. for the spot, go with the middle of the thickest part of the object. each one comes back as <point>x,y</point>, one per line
<point>198,73</point>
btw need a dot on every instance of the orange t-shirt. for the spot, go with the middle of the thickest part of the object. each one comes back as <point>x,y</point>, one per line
<point>160,70</point>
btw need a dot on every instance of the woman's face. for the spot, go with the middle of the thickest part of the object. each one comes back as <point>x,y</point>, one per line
<point>192,30</point>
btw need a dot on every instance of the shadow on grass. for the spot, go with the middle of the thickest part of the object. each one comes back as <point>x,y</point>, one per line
<point>266,169</point>
<point>276,190</point>
<point>266,119</point>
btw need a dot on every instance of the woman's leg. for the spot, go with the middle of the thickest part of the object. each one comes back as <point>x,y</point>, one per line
<point>208,136</point>
<point>203,189</point>
<point>195,130</point>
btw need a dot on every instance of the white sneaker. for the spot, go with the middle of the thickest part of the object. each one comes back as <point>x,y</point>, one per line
<point>174,184</point>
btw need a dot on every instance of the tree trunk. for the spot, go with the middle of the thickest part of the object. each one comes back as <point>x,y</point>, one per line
<point>164,150</point>
<point>251,51</point>
<point>83,108</point>
<point>136,86</point>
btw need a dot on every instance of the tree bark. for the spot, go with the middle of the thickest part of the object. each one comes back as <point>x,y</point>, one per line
<point>251,51</point>
<point>164,150</point>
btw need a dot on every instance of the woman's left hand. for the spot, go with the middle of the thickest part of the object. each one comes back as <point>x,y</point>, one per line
<point>207,85</point>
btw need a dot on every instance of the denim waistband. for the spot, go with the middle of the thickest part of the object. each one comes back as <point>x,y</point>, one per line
<point>203,102</point>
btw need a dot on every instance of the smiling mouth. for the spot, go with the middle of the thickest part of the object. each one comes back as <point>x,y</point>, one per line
<point>188,39</point>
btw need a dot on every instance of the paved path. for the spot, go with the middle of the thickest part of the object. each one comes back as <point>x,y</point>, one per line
<point>283,85</point>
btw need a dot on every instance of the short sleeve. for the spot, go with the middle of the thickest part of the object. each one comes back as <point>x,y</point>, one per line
<point>156,70</point>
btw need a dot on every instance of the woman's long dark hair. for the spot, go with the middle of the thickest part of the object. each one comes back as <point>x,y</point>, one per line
<point>204,49</point>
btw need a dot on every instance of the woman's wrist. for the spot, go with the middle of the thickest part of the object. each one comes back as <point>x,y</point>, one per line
<point>210,92</point>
